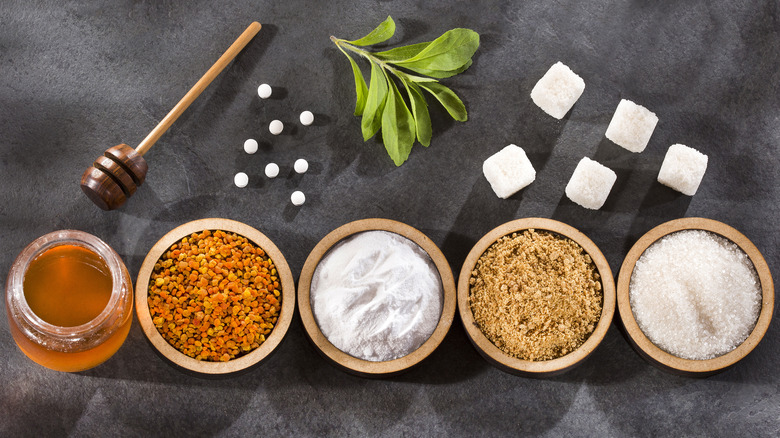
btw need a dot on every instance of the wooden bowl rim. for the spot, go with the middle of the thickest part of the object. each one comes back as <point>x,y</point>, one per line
<point>512,364</point>
<point>351,364</point>
<point>661,358</point>
<point>243,362</point>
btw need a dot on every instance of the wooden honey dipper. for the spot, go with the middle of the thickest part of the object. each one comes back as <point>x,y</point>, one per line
<point>116,174</point>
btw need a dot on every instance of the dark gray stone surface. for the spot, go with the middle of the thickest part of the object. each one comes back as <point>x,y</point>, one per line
<point>78,77</point>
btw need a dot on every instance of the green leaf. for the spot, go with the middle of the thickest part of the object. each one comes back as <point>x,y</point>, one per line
<point>450,51</point>
<point>361,90</point>
<point>398,127</point>
<point>401,53</point>
<point>422,119</point>
<point>438,74</point>
<point>448,99</point>
<point>418,67</point>
<point>375,103</point>
<point>383,32</point>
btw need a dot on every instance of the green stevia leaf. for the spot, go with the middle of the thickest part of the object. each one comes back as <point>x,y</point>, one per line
<point>448,99</point>
<point>438,74</point>
<point>422,119</point>
<point>361,90</point>
<point>417,66</point>
<point>401,53</point>
<point>375,103</point>
<point>398,127</point>
<point>383,32</point>
<point>450,51</point>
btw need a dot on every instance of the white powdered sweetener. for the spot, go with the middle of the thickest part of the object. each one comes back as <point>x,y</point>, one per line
<point>695,294</point>
<point>376,295</point>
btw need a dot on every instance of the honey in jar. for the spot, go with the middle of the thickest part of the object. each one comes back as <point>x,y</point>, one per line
<point>69,301</point>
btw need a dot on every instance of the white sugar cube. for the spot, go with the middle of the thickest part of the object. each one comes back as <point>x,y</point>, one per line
<point>557,90</point>
<point>682,169</point>
<point>508,171</point>
<point>590,184</point>
<point>631,126</point>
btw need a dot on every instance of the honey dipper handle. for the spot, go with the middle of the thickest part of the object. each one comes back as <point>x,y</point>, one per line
<point>198,88</point>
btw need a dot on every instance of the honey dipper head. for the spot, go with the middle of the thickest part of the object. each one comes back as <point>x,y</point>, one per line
<point>114,177</point>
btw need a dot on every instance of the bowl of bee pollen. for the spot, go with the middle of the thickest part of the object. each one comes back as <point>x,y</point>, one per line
<point>215,297</point>
<point>536,297</point>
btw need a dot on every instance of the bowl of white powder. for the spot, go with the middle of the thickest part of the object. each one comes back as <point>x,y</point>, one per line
<point>695,296</point>
<point>376,297</point>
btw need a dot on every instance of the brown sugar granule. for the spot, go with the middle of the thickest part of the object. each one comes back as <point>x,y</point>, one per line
<point>536,295</point>
<point>214,295</point>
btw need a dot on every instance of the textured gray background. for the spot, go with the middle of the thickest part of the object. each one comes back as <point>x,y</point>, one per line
<point>78,77</point>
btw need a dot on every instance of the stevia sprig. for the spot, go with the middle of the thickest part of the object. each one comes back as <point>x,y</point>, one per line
<point>417,67</point>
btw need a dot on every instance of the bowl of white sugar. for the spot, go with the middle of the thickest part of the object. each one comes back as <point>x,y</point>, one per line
<point>376,297</point>
<point>695,296</point>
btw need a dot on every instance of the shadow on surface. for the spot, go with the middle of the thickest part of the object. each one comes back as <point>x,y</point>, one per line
<point>213,104</point>
<point>455,360</point>
<point>411,30</point>
<point>472,220</point>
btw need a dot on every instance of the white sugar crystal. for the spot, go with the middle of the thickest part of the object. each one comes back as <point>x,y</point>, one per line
<point>276,127</point>
<point>590,184</point>
<point>301,165</point>
<point>264,91</point>
<point>271,170</point>
<point>631,126</point>
<point>695,295</point>
<point>241,179</point>
<point>682,169</point>
<point>508,171</point>
<point>250,146</point>
<point>297,198</point>
<point>558,90</point>
<point>307,118</point>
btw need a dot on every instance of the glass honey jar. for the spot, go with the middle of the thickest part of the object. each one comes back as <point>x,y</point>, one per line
<point>69,300</point>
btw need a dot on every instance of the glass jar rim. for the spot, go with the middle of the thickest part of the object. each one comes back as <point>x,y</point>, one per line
<point>15,289</point>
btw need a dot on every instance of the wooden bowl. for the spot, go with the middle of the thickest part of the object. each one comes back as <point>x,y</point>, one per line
<point>528,368</point>
<point>667,361</point>
<point>241,363</point>
<point>351,364</point>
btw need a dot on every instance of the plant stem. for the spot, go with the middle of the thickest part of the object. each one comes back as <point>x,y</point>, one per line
<point>366,54</point>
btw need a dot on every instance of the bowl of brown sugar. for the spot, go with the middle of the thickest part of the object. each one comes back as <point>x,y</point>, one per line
<point>536,297</point>
<point>215,297</point>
